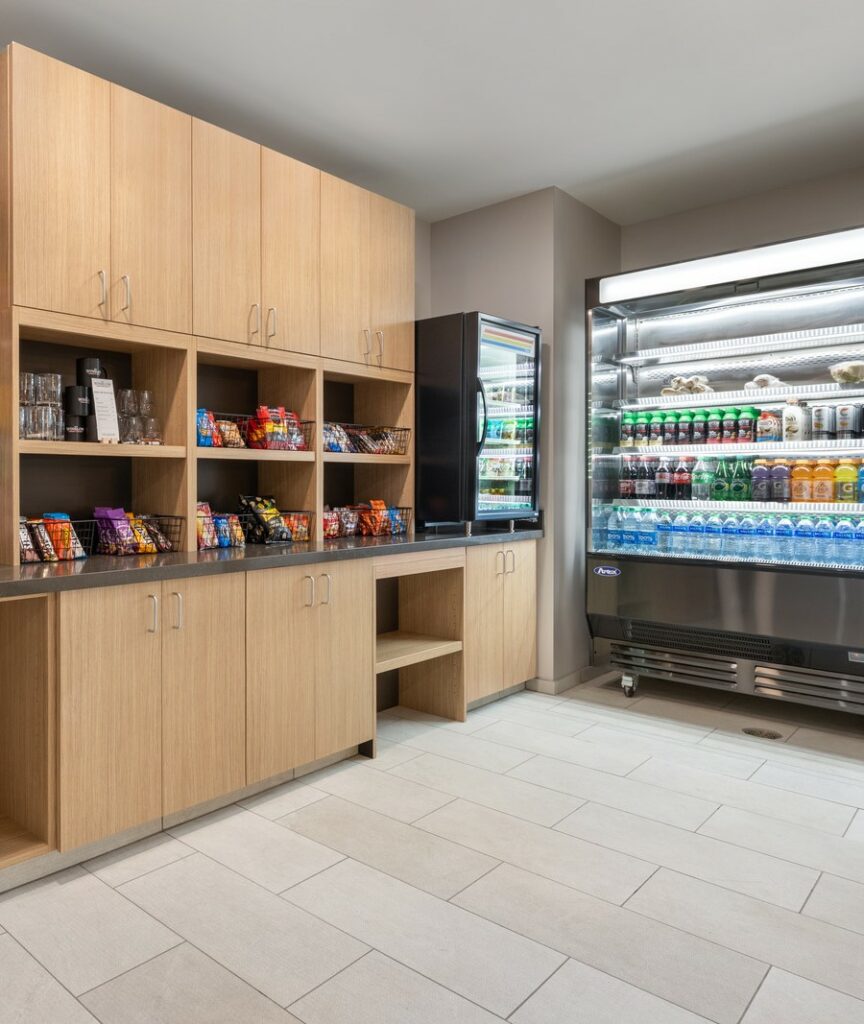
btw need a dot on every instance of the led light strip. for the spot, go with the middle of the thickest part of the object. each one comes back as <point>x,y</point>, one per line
<point>734,559</point>
<point>848,508</point>
<point>767,449</point>
<point>748,396</point>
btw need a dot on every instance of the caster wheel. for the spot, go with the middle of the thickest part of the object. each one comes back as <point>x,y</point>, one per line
<point>629,691</point>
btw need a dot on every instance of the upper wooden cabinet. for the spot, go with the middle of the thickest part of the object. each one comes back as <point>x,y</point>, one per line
<point>290,253</point>
<point>151,213</point>
<point>226,236</point>
<point>367,277</point>
<point>60,185</point>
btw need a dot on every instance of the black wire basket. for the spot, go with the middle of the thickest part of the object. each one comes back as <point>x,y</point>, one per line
<point>360,439</point>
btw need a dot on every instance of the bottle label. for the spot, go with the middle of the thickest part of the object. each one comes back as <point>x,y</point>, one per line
<point>644,488</point>
<point>720,490</point>
<point>845,490</point>
<point>699,433</point>
<point>740,490</point>
<point>823,490</point>
<point>761,490</point>
<point>802,490</point>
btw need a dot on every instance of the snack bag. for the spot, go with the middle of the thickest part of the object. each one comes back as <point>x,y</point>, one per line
<point>298,524</point>
<point>294,432</point>
<point>156,535</point>
<point>143,540</point>
<point>336,438</point>
<point>268,517</point>
<point>223,531</point>
<point>41,540</point>
<point>63,536</point>
<point>349,518</point>
<point>25,542</point>
<point>331,523</point>
<point>202,426</point>
<point>206,529</point>
<point>374,520</point>
<point>230,434</point>
<point>235,530</point>
<point>115,533</point>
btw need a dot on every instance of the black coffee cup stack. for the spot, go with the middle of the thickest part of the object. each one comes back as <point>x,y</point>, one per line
<point>80,420</point>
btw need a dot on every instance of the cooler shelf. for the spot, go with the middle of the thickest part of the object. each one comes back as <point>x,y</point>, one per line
<point>744,396</point>
<point>674,556</point>
<point>766,449</point>
<point>695,505</point>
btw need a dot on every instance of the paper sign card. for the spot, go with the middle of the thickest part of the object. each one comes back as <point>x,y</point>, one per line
<point>105,408</point>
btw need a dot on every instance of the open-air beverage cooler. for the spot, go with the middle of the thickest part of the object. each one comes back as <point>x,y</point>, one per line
<point>726,465</point>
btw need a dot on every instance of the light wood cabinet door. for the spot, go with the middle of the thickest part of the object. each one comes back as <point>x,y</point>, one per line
<point>151,213</point>
<point>520,613</point>
<point>110,711</point>
<point>483,644</point>
<point>281,670</point>
<point>226,235</point>
<point>290,253</point>
<point>391,284</point>
<point>346,329</point>
<point>345,690</point>
<point>61,172</point>
<point>203,689</point>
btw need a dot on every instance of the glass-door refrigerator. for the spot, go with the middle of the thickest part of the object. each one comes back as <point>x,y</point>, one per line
<point>477,400</point>
<point>725,519</point>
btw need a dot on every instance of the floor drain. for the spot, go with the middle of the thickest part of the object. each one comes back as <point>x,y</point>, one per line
<point>764,734</point>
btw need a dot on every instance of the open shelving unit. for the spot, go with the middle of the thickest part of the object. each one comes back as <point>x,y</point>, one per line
<point>399,649</point>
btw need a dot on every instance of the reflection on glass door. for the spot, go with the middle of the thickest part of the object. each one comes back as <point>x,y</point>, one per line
<point>506,451</point>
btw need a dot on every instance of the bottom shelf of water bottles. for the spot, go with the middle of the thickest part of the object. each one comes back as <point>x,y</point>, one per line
<point>809,535</point>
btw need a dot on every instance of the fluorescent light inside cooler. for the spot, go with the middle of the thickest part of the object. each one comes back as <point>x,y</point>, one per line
<point>820,251</point>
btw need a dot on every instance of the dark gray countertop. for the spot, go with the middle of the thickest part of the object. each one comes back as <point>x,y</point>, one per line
<point>107,571</point>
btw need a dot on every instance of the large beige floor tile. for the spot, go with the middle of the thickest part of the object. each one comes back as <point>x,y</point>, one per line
<point>281,800</point>
<point>816,850</point>
<point>777,881</point>
<point>812,949</point>
<point>82,930</point>
<point>378,990</point>
<point>856,829</point>
<point>746,795</point>
<point>274,946</point>
<point>576,750</point>
<point>474,749</point>
<point>432,864</point>
<point>783,753</point>
<point>579,994</point>
<point>699,716</point>
<point>475,720</point>
<point>699,976</point>
<point>813,780</point>
<point>787,999</point>
<point>489,965</point>
<point>626,794</point>
<point>261,850</point>
<point>846,745</point>
<point>183,986</point>
<point>549,719</point>
<point>682,724</point>
<point>490,789</point>
<point>28,993</point>
<point>585,866</point>
<point>390,753</point>
<point>383,792</point>
<point>837,901</point>
<point>129,862</point>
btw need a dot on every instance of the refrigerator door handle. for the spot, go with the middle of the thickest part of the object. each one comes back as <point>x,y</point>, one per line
<point>482,392</point>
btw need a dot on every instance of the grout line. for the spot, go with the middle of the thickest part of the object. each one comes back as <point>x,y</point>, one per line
<point>812,890</point>
<point>327,981</point>
<point>845,832</point>
<point>497,864</point>
<point>746,1009</point>
<point>36,959</point>
<point>639,886</point>
<point>129,970</point>
<point>537,988</point>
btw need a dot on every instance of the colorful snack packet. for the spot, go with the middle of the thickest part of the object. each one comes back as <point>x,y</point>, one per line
<point>238,538</point>
<point>25,543</point>
<point>65,540</point>
<point>206,530</point>
<point>143,541</point>
<point>156,534</point>
<point>115,533</point>
<point>223,531</point>
<point>41,540</point>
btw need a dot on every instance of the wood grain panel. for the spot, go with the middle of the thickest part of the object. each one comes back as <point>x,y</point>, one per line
<point>520,613</point>
<point>483,644</point>
<point>345,271</point>
<point>391,283</point>
<point>5,179</point>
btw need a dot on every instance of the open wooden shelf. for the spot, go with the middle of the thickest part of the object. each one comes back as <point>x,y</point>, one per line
<point>366,458</point>
<point>17,844</point>
<point>131,451</point>
<point>399,649</point>
<point>254,454</point>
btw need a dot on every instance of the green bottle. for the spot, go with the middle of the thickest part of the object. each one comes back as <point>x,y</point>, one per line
<point>720,489</point>
<point>739,483</point>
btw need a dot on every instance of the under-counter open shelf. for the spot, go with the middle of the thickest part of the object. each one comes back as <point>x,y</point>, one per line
<point>254,455</point>
<point>364,458</point>
<point>399,649</point>
<point>117,451</point>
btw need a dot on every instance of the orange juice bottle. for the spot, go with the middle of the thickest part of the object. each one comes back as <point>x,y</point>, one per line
<point>801,479</point>
<point>846,481</point>
<point>823,480</point>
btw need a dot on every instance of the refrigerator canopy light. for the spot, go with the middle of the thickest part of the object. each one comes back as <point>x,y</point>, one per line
<point>785,257</point>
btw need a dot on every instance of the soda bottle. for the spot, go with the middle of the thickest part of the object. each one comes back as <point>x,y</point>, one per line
<point>714,426</point>
<point>699,427</point>
<point>784,538</point>
<point>846,481</point>
<point>641,429</point>
<point>844,541</point>
<point>645,485</point>
<point>747,535</point>
<point>682,480</point>
<point>720,484</point>
<point>670,428</point>
<point>663,478</point>
<point>614,532</point>
<point>739,484</point>
<point>664,533</point>
<point>729,427</point>
<point>627,478</point>
<point>648,532</point>
<point>685,427</point>
<point>714,535</point>
<point>681,533</point>
<point>823,540</point>
<point>747,425</point>
<point>656,428</point>
<point>805,539</point>
<point>763,541</point>
<point>703,479</point>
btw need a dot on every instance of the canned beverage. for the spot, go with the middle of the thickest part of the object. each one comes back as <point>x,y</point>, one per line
<point>824,422</point>
<point>848,421</point>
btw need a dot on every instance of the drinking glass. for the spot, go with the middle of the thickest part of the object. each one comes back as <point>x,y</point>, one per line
<point>152,431</point>
<point>22,420</point>
<point>132,430</point>
<point>145,403</point>
<point>49,388</point>
<point>127,402</point>
<point>59,424</point>
<point>27,388</point>
<point>39,422</point>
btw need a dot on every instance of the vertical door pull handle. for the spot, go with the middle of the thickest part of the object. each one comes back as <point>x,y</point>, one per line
<point>103,288</point>
<point>311,592</point>
<point>329,578</point>
<point>380,347</point>
<point>367,334</point>
<point>512,555</point>
<point>179,623</point>
<point>127,304</point>
<point>256,309</point>
<point>503,569</point>
<point>154,622</point>
<point>271,334</point>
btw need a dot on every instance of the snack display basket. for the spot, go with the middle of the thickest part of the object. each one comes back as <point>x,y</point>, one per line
<point>96,536</point>
<point>296,436</point>
<point>361,439</point>
<point>300,524</point>
<point>363,521</point>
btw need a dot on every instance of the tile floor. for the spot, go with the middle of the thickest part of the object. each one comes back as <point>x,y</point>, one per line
<point>582,859</point>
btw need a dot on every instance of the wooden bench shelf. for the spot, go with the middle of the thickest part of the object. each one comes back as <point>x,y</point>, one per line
<point>398,649</point>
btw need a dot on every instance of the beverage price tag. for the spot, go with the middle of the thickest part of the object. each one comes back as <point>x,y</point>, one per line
<point>105,409</point>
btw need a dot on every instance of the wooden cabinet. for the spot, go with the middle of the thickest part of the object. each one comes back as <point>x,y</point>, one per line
<point>226,235</point>
<point>391,288</point>
<point>110,711</point>
<point>290,253</point>
<point>60,186</point>
<point>151,213</point>
<point>203,689</point>
<point>500,644</point>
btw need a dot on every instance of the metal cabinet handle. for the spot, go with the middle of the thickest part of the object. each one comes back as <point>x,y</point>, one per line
<point>311,601</point>
<point>368,335</point>
<point>271,334</point>
<point>512,555</point>
<point>103,287</point>
<point>179,596</point>
<point>154,622</point>
<point>128,288</point>
<point>329,578</point>
<point>503,569</point>
<point>256,309</point>
<point>380,347</point>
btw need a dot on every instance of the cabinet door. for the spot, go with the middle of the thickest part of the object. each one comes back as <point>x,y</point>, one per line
<point>151,213</point>
<point>203,689</point>
<point>346,330</point>
<point>391,286</point>
<point>281,663</point>
<point>520,613</point>
<point>226,235</point>
<point>61,168</point>
<point>345,690</point>
<point>484,640</point>
<point>110,764</point>
<point>290,253</point>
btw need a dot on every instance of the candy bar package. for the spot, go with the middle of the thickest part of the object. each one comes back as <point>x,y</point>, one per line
<point>298,524</point>
<point>41,540</point>
<point>116,536</point>
<point>375,440</point>
<point>156,535</point>
<point>267,515</point>
<point>230,434</point>
<point>206,528</point>
<point>235,531</point>
<point>143,541</point>
<point>336,438</point>
<point>223,530</point>
<point>25,541</point>
<point>64,539</point>
<point>341,522</point>
<point>294,430</point>
<point>331,524</point>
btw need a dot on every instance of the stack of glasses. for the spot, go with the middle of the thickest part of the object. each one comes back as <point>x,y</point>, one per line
<point>40,412</point>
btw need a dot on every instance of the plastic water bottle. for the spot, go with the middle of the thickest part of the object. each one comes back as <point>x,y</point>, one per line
<point>714,535</point>
<point>600,516</point>
<point>859,542</point>
<point>648,532</point>
<point>784,538</point>
<point>844,541</point>
<point>664,533</point>
<point>681,534</point>
<point>696,535</point>
<point>747,536</point>
<point>730,537</point>
<point>823,540</point>
<point>630,530</point>
<point>613,530</point>
<point>763,541</point>
<point>805,539</point>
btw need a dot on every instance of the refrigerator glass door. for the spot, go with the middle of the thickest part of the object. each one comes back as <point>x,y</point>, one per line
<point>506,384</point>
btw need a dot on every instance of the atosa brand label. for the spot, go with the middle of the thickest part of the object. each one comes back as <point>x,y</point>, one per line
<point>606,570</point>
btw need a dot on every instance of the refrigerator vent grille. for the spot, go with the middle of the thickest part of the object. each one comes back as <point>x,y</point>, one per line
<point>675,666</point>
<point>826,689</point>
<point>691,638</point>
